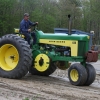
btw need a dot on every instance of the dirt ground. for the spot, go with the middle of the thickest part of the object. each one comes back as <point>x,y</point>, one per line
<point>55,87</point>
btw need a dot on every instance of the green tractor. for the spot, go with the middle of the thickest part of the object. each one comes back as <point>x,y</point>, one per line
<point>51,51</point>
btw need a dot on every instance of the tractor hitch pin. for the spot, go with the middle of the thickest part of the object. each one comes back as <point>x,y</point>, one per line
<point>70,24</point>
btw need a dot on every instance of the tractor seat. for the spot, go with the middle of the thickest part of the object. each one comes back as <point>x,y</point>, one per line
<point>18,32</point>
<point>21,35</point>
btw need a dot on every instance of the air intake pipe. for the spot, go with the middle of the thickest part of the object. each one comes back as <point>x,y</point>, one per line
<point>69,25</point>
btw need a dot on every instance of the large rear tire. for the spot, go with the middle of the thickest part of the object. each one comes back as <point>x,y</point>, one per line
<point>15,56</point>
<point>91,74</point>
<point>77,74</point>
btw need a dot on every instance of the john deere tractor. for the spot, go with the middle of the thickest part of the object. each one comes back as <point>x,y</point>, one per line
<point>51,51</point>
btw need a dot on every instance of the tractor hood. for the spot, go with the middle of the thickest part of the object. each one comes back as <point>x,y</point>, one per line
<point>61,36</point>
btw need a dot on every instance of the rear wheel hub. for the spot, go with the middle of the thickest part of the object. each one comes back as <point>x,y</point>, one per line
<point>9,57</point>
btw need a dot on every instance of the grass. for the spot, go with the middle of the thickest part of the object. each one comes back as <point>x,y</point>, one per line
<point>29,99</point>
<point>26,98</point>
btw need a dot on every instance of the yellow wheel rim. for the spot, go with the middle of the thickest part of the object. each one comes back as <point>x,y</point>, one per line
<point>9,57</point>
<point>42,62</point>
<point>74,75</point>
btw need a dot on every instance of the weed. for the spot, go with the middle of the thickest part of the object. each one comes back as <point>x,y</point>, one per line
<point>26,98</point>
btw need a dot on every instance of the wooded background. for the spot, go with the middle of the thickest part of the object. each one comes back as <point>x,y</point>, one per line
<point>50,14</point>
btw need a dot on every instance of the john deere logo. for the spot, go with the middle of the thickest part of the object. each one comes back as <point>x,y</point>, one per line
<point>57,41</point>
<point>73,42</point>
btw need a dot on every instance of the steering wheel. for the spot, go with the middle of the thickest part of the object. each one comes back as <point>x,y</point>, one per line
<point>34,28</point>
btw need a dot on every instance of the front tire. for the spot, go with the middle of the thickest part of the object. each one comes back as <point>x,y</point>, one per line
<point>77,74</point>
<point>15,56</point>
<point>91,74</point>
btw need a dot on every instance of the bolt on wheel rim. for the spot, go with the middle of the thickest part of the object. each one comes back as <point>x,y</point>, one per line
<point>9,57</point>
<point>74,75</point>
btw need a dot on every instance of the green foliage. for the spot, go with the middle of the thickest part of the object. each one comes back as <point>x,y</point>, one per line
<point>91,18</point>
<point>5,15</point>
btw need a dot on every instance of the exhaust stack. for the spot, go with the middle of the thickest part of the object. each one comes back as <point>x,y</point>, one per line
<point>70,24</point>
